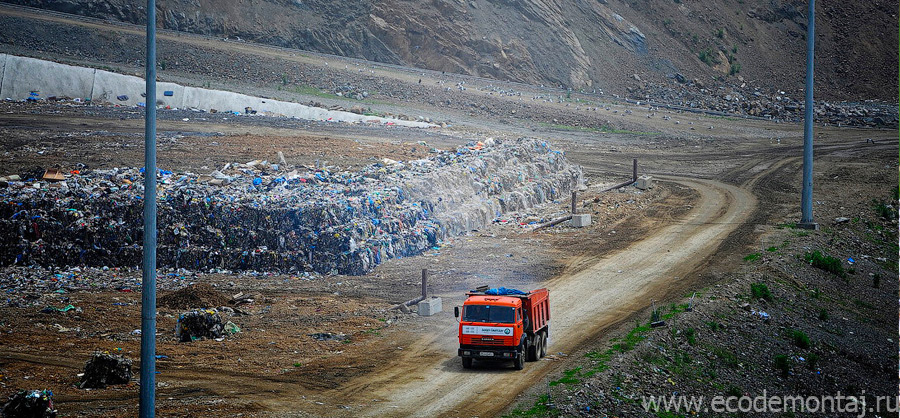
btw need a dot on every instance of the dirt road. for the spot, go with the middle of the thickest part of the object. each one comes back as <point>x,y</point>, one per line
<point>431,379</point>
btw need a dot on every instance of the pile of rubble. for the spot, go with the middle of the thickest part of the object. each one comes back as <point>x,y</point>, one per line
<point>260,216</point>
<point>743,99</point>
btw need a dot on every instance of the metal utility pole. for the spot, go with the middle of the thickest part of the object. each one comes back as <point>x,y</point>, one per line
<point>806,204</point>
<point>148,284</point>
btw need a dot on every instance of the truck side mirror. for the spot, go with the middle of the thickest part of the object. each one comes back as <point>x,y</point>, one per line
<point>456,311</point>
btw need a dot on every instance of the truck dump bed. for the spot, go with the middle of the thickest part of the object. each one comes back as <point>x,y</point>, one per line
<point>536,304</point>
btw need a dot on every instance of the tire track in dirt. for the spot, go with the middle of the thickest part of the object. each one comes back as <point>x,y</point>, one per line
<point>432,382</point>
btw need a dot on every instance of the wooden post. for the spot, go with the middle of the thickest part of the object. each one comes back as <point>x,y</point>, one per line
<point>424,283</point>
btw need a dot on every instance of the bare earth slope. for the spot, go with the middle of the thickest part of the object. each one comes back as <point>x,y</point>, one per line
<point>575,44</point>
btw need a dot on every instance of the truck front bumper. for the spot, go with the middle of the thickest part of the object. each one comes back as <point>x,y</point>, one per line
<point>489,353</point>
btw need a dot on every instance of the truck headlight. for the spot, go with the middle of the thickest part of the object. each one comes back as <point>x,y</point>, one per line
<point>467,353</point>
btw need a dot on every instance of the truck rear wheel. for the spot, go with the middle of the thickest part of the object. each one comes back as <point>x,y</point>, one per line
<point>543,343</point>
<point>519,362</point>
<point>467,362</point>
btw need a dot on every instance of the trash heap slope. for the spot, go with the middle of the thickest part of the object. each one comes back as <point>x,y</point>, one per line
<point>267,217</point>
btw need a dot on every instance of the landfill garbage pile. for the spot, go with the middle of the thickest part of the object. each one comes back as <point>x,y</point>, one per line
<point>259,216</point>
<point>199,324</point>
<point>105,369</point>
<point>29,404</point>
<point>198,295</point>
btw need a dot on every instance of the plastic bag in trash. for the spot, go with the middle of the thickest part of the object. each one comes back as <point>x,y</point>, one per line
<point>198,324</point>
<point>29,404</point>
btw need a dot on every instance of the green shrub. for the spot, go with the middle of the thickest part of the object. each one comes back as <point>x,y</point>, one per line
<point>733,391</point>
<point>812,360</point>
<point>825,262</point>
<point>783,363</point>
<point>760,291</point>
<point>691,336</point>
<point>800,339</point>
<point>752,257</point>
<point>823,314</point>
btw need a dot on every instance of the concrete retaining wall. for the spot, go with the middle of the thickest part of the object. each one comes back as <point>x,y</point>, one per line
<point>2,69</point>
<point>110,87</point>
<point>20,76</point>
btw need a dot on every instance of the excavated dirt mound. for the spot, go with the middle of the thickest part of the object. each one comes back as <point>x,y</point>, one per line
<point>198,295</point>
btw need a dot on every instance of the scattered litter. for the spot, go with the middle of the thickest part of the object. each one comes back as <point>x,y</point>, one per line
<point>51,309</point>
<point>328,336</point>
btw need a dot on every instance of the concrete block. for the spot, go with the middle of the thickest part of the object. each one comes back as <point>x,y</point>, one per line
<point>581,220</point>
<point>430,307</point>
<point>2,69</point>
<point>23,75</point>
<point>644,182</point>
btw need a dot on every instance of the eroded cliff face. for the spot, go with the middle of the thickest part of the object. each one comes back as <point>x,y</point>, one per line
<point>580,44</point>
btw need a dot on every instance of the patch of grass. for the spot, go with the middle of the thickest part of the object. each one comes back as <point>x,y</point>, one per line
<point>800,339</point>
<point>760,291</point>
<point>538,410</point>
<point>601,361</point>
<point>817,293</point>
<point>691,335</point>
<point>632,339</point>
<point>610,130</point>
<point>885,212</point>
<point>783,363</point>
<point>298,364</point>
<point>812,360</point>
<point>790,225</point>
<point>570,377</point>
<point>734,391</point>
<point>714,326</point>
<point>772,249</point>
<point>823,314</point>
<point>825,262</point>
<point>681,364</point>
<point>561,127</point>
<point>752,257</point>
<point>313,91</point>
<point>727,357</point>
<point>876,281</point>
<point>707,56</point>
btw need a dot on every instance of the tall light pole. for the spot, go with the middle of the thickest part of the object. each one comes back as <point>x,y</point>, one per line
<point>806,204</point>
<point>148,283</point>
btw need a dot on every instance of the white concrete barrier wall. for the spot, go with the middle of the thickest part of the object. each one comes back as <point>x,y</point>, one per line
<point>23,75</point>
<point>2,69</point>
<point>19,76</point>
<point>127,89</point>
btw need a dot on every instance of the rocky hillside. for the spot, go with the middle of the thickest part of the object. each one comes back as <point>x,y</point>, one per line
<point>610,45</point>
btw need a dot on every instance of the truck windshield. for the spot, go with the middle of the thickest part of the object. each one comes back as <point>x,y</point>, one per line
<point>489,313</point>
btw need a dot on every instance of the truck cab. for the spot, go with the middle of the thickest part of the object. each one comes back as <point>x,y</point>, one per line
<point>503,324</point>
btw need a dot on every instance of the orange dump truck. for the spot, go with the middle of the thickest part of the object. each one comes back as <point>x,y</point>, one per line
<point>504,324</point>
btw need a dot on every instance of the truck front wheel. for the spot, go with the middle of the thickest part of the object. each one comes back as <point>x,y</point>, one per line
<point>534,349</point>
<point>519,362</point>
<point>467,362</point>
